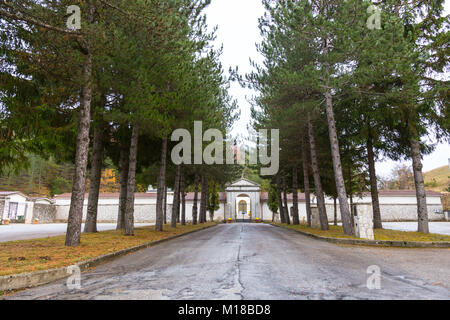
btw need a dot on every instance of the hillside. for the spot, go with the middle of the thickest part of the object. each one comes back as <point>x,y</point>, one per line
<point>45,178</point>
<point>438,179</point>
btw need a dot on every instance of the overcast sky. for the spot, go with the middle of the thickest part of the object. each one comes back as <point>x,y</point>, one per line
<point>238,32</point>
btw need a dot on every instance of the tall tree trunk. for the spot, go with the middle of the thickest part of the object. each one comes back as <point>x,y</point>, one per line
<point>40,176</point>
<point>123,180</point>
<point>183,197</point>
<point>317,181</point>
<point>346,215</point>
<point>73,235</point>
<point>195,206</point>
<point>179,200</point>
<point>203,199</point>
<point>206,201</point>
<point>165,204</point>
<point>306,179</point>
<point>179,209</point>
<point>161,187</point>
<point>200,214</point>
<point>131,185</point>
<point>96,175</point>
<point>295,216</point>
<point>205,211</point>
<point>377,223</point>
<point>337,166</point>
<point>286,205</point>
<point>280,199</point>
<point>176,198</point>
<point>350,186</point>
<point>335,212</point>
<point>422,209</point>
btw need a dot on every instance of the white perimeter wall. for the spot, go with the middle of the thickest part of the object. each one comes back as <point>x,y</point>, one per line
<point>144,210</point>
<point>392,209</point>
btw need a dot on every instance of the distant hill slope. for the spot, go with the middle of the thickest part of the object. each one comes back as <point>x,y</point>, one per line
<point>438,179</point>
<point>31,186</point>
<point>47,178</point>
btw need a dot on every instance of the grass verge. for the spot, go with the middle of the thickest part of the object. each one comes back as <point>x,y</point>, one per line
<point>50,253</point>
<point>384,234</point>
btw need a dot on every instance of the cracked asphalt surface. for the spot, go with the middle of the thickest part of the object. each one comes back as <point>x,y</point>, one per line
<point>256,261</point>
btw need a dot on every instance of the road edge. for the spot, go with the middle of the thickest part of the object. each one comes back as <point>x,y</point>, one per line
<point>374,243</point>
<point>38,278</point>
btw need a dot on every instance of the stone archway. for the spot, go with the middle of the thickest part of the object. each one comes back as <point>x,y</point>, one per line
<point>243,190</point>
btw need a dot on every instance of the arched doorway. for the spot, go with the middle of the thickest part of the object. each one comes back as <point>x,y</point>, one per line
<point>243,208</point>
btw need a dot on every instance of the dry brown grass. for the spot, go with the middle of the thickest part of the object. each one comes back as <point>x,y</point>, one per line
<point>438,179</point>
<point>41,254</point>
<point>385,234</point>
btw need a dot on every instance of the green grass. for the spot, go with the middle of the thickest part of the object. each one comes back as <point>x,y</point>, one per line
<point>384,234</point>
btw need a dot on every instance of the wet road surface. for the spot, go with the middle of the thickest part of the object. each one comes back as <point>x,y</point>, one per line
<point>255,261</point>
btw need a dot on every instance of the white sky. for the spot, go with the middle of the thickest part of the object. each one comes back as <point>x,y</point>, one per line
<point>238,32</point>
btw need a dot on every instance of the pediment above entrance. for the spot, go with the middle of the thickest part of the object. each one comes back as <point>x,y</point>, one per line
<point>243,184</point>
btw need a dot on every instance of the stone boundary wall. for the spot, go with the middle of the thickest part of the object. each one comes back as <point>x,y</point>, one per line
<point>146,213</point>
<point>143,213</point>
<point>395,212</point>
<point>389,212</point>
<point>46,213</point>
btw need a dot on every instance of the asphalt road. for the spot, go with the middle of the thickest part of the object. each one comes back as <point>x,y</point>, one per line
<point>248,261</point>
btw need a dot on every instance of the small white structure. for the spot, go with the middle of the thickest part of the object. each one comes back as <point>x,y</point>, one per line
<point>364,221</point>
<point>18,207</point>
<point>14,205</point>
<point>315,217</point>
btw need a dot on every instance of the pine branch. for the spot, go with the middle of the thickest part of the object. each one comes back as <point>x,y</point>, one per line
<point>108,4</point>
<point>36,22</point>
